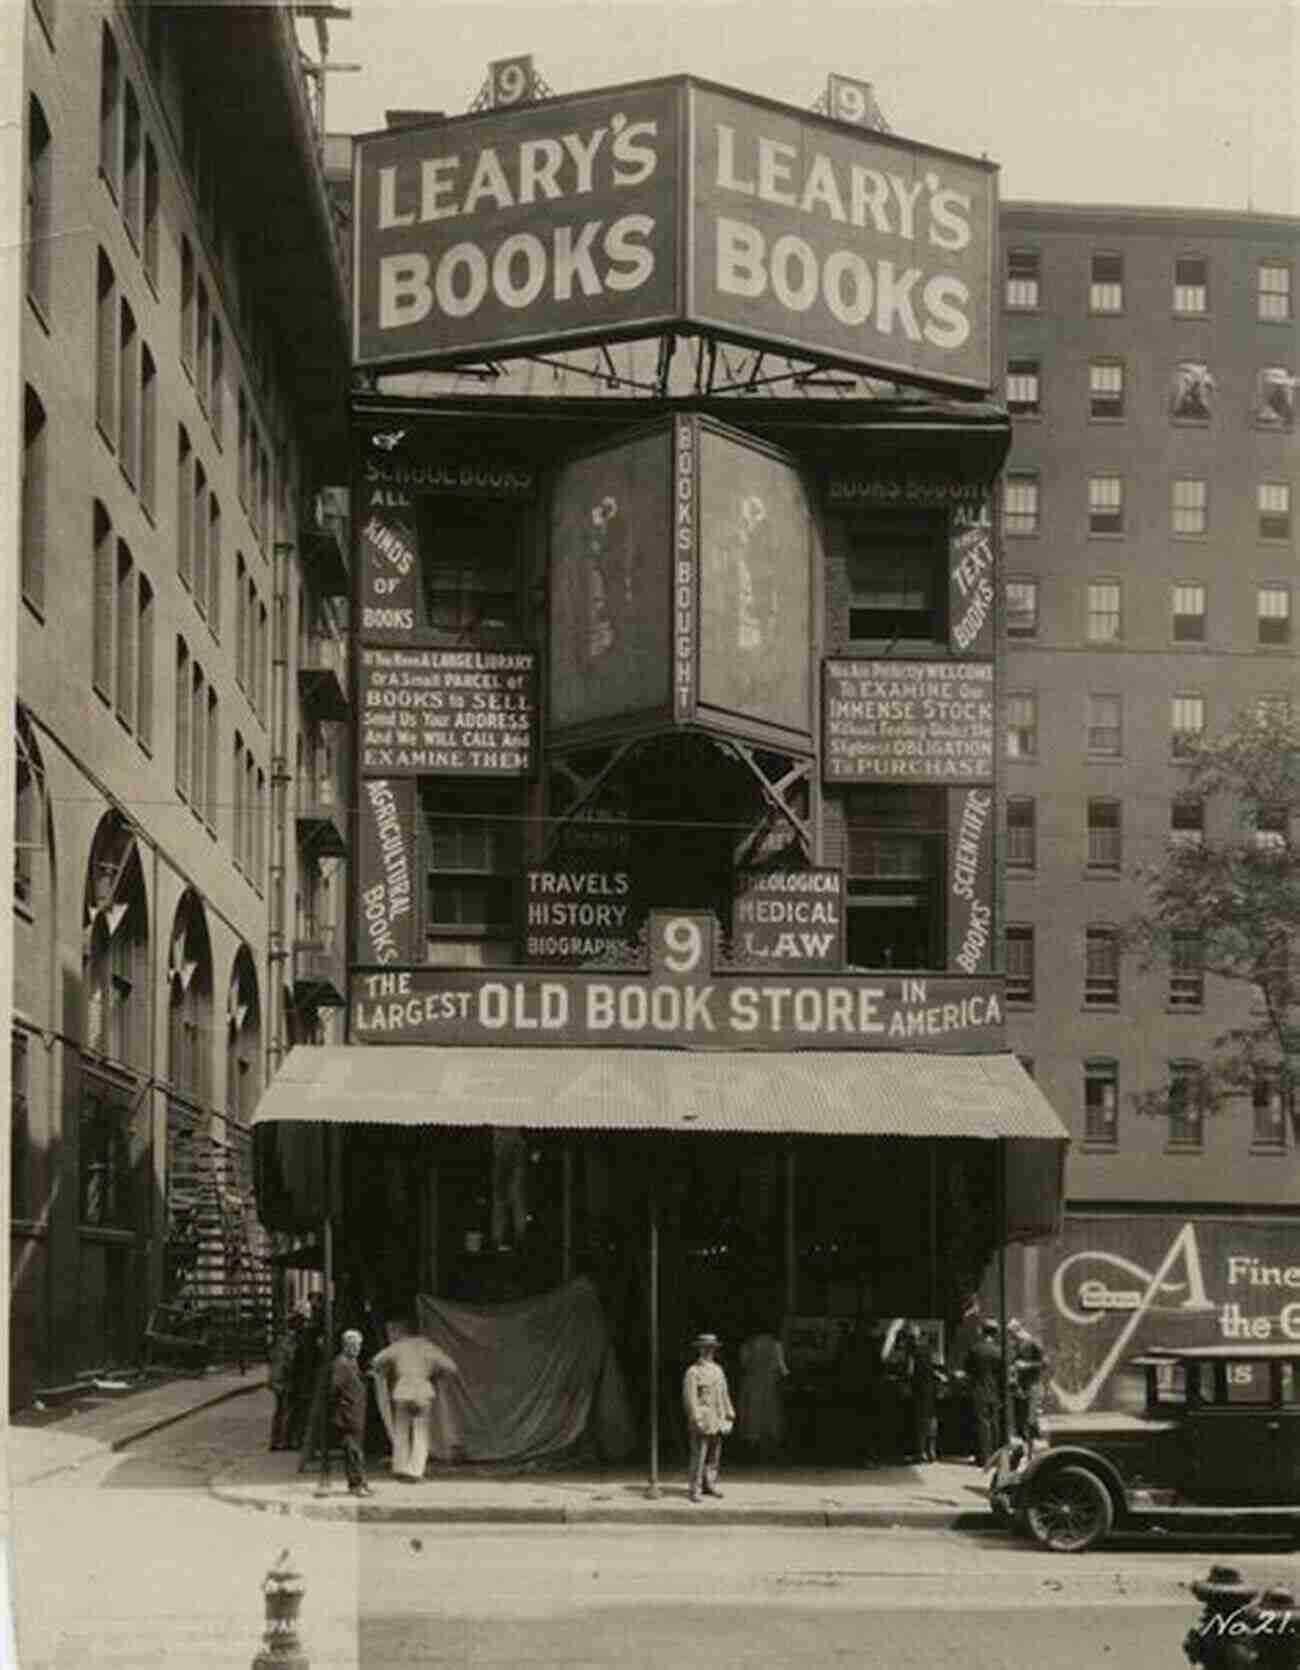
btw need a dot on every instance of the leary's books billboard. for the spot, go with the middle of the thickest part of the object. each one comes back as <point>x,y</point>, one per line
<point>672,204</point>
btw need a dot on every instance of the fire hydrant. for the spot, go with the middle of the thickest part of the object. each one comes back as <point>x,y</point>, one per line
<point>282,1593</point>
<point>1273,1630</point>
<point>1219,1639</point>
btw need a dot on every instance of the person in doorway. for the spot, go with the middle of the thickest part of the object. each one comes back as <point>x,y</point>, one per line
<point>709,1416</point>
<point>406,1374</point>
<point>1027,1369</point>
<point>348,1411</point>
<point>763,1368</point>
<point>984,1376</point>
<point>303,1372</point>
<point>283,1352</point>
<point>922,1419</point>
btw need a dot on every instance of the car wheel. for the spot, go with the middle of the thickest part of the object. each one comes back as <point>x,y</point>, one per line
<point>1070,1510</point>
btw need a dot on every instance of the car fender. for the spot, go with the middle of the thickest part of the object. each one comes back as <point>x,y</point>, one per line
<point>1073,1455</point>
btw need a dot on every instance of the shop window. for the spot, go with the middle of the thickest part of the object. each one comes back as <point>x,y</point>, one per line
<point>1187,724</point>
<point>1191,285</point>
<point>106,328</point>
<point>1267,1109</point>
<point>1022,832</point>
<point>1101,1103</point>
<point>1273,499</point>
<point>1186,971</point>
<point>1186,1097</point>
<point>1020,963</point>
<point>1101,968</point>
<point>1106,389</point>
<point>897,563</point>
<point>39,206</point>
<point>1105,725</point>
<point>1187,821</point>
<point>471,578</point>
<point>1188,608</point>
<point>1105,504</point>
<point>1022,608</point>
<point>1023,279</point>
<point>1020,502</point>
<point>1193,392</point>
<point>1104,619</point>
<point>35,498</point>
<point>895,842</point>
<point>1189,506</point>
<point>1275,398</point>
<point>1022,725</point>
<point>1274,294</point>
<point>1273,613</point>
<point>1105,835</point>
<point>1023,387</point>
<point>1106,284</point>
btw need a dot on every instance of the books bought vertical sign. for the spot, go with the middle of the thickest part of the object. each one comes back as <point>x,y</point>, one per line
<point>686,568</point>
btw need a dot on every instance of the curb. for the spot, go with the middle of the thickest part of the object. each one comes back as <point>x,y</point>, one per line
<point>164,1421</point>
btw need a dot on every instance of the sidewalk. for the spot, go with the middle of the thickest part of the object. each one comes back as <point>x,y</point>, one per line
<point>41,1445</point>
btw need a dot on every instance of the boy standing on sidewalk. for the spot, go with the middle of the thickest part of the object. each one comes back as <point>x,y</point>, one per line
<point>709,1416</point>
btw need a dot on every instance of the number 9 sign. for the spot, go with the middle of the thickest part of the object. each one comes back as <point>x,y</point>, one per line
<point>512,81</point>
<point>849,101</point>
<point>680,944</point>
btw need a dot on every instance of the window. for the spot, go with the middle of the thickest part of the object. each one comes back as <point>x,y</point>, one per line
<point>105,1160</point>
<point>131,155</point>
<point>29,810</point>
<point>1191,285</point>
<point>35,498</point>
<point>217,391</point>
<point>110,99</point>
<point>1105,725</point>
<point>1104,612</point>
<point>1187,821</point>
<point>202,344</point>
<point>897,564</point>
<point>1105,835</point>
<point>1022,608</point>
<point>1022,832</point>
<point>1193,392</point>
<point>1275,398</point>
<point>1106,389</point>
<point>472,850</point>
<point>148,429</point>
<point>184,505</point>
<point>187,305</point>
<point>1269,1125</point>
<point>1023,266</point>
<point>1022,387</point>
<point>21,1203</point>
<point>124,609</point>
<point>1101,968</point>
<point>261,661</point>
<point>1188,603</point>
<point>1020,963</point>
<point>241,621</point>
<point>1186,971</point>
<point>242,405</point>
<point>1101,1103</point>
<point>894,866</point>
<point>152,201</point>
<point>38,229</point>
<point>237,818</point>
<point>1105,504</point>
<point>1106,285</point>
<point>1273,608</point>
<point>1020,502</point>
<point>1273,499</point>
<point>182,718</point>
<point>1275,707</point>
<point>199,539</point>
<point>144,665</point>
<point>1186,1104</point>
<point>1022,724</point>
<point>214,565</point>
<point>1188,508</point>
<point>106,327</point>
<point>1271,828</point>
<point>1274,290</point>
<point>1188,723</point>
<point>105,579</point>
<point>128,393</point>
<point>211,765</point>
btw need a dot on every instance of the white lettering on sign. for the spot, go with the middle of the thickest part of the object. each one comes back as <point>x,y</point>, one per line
<point>908,719</point>
<point>684,570</point>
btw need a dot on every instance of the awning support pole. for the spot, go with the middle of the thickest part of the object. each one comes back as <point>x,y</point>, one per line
<point>327,1341</point>
<point>790,1271</point>
<point>1002,1289</point>
<point>653,1489</point>
<point>566,1255</point>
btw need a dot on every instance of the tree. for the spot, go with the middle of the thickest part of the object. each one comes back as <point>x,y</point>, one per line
<point>1226,903</point>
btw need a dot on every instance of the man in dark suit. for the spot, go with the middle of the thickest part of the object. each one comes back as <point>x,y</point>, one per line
<point>984,1376</point>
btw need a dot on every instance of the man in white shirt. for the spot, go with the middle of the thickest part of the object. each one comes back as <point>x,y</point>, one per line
<point>709,1416</point>
<point>406,1375</point>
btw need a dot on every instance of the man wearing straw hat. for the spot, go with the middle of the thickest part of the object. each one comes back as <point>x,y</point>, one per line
<point>709,1416</point>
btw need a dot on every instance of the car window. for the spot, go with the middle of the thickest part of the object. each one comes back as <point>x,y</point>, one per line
<point>1249,1383</point>
<point>1290,1383</point>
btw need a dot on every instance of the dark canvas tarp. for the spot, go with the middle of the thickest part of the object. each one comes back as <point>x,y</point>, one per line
<point>537,1377</point>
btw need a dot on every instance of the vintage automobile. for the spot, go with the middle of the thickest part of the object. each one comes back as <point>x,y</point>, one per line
<point>1217,1445</point>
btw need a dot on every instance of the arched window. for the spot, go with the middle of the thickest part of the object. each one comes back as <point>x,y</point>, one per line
<point>116,941</point>
<point>243,1040</point>
<point>29,813</point>
<point>189,972</point>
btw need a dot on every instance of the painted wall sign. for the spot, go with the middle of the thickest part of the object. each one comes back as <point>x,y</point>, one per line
<point>971,820</point>
<point>842,492</point>
<point>790,919</point>
<point>389,549</point>
<point>396,478</point>
<point>573,915</point>
<point>971,579</point>
<point>559,221</point>
<point>432,712</point>
<point>908,721</point>
<point>1115,1287</point>
<point>686,567</point>
<point>385,885</point>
